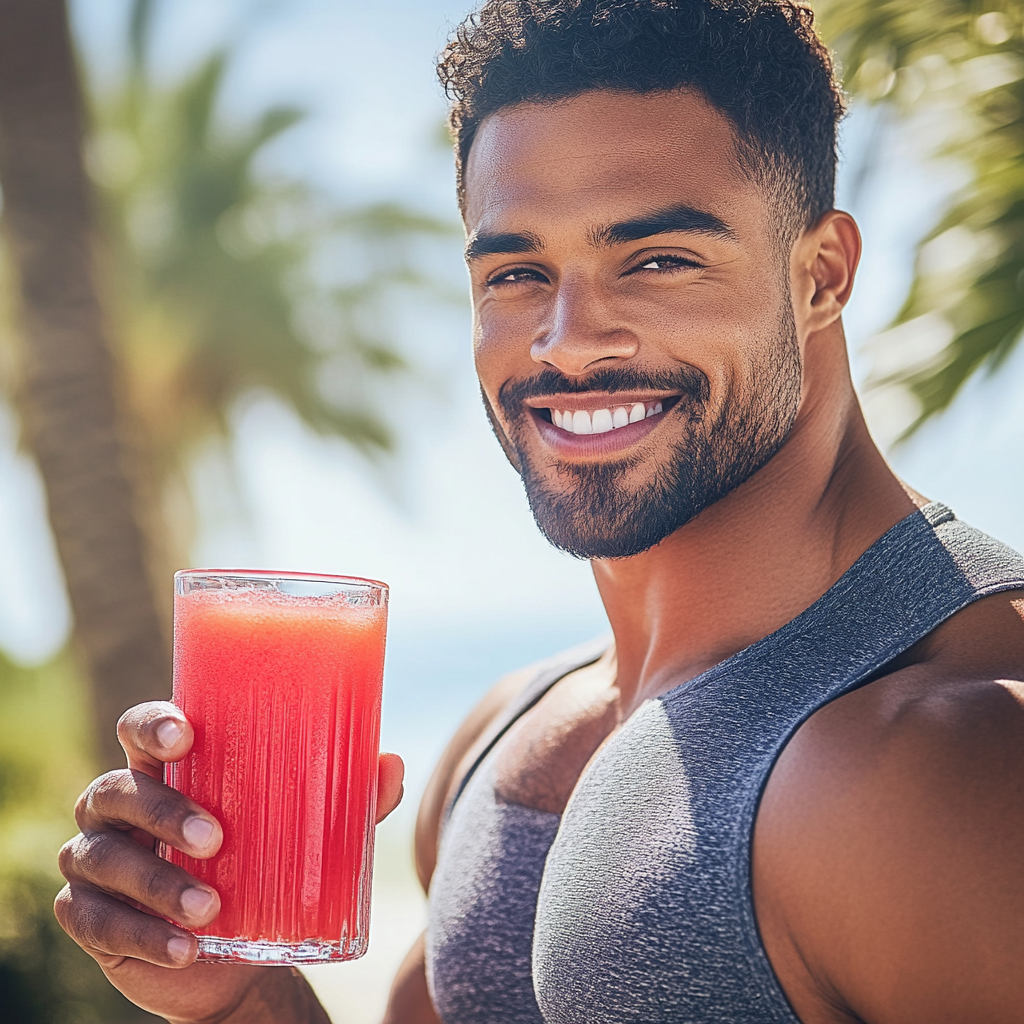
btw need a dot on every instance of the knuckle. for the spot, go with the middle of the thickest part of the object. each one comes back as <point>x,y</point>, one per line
<point>81,805</point>
<point>164,811</point>
<point>101,924</point>
<point>129,722</point>
<point>99,795</point>
<point>93,854</point>
<point>94,925</point>
<point>63,908</point>
<point>156,885</point>
<point>66,858</point>
<point>109,784</point>
<point>101,790</point>
<point>140,935</point>
<point>126,728</point>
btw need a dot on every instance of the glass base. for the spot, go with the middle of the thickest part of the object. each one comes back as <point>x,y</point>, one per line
<point>260,951</point>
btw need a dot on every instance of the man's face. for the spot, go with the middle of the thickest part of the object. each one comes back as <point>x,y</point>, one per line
<point>633,330</point>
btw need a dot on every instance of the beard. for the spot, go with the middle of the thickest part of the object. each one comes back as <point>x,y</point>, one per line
<point>597,513</point>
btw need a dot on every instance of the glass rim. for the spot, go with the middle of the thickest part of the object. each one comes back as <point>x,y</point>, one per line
<point>275,574</point>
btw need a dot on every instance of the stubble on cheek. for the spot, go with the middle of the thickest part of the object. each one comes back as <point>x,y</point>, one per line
<point>510,450</point>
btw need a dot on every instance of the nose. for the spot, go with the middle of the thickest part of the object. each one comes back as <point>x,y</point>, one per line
<point>583,331</point>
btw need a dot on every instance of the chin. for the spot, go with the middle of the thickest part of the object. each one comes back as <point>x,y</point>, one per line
<point>612,526</point>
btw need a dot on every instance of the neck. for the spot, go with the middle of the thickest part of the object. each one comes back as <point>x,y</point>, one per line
<point>753,561</point>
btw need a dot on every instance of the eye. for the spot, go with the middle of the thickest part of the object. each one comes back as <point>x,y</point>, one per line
<point>517,275</point>
<point>665,262</point>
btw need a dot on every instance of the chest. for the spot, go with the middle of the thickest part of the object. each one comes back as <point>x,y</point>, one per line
<point>656,833</point>
<point>540,759</point>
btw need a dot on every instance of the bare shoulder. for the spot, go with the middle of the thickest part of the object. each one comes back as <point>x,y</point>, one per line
<point>888,873</point>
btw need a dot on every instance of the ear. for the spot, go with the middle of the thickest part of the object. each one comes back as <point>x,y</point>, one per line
<point>823,265</point>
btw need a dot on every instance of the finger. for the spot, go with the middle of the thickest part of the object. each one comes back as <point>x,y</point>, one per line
<point>390,774</point>
<point>153,734</point>
<point>109,929</point>
<point>112,861</point>
<point>131,799</point>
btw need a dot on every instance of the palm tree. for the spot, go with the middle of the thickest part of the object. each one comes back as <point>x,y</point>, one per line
<point>966,59</point>
<point>67,395</point>
<point>211,285</point>
<point>222,283</point>
<point>211,282</point>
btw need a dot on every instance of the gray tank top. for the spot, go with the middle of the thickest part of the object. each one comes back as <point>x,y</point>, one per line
<point>636,904</point>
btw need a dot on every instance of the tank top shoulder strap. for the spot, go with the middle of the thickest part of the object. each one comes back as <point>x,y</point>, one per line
<point>986,565</point>
<point>549,672</point>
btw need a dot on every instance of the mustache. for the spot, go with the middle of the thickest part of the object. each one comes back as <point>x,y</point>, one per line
<point>687,380</point>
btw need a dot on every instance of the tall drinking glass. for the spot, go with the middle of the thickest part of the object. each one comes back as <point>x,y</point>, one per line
<point>280,676</point>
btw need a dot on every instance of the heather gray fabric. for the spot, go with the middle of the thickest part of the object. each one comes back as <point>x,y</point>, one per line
<point>636,904</point>
<point>484,890</point>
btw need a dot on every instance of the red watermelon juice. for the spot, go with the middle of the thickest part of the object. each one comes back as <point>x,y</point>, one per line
<point>280,676</point>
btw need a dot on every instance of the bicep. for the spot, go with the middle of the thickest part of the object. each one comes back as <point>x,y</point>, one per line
<point>409,1001</point>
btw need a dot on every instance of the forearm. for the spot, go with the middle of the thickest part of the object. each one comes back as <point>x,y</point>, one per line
<point>409,1002</point>
<point>281,996</point>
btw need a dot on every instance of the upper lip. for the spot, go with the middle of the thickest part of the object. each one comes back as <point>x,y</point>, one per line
<point>591,401</point>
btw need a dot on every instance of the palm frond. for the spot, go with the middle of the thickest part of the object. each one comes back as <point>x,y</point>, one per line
<point>966,59</point>
<point>229,283</point>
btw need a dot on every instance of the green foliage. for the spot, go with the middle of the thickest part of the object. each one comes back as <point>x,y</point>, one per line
<point>961,61</point>
<point>45,762</point>
<point>222,281</point>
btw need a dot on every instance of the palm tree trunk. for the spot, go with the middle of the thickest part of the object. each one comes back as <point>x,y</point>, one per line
<point>68,395</point>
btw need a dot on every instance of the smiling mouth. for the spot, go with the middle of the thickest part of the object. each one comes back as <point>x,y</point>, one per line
<point>602,421</point>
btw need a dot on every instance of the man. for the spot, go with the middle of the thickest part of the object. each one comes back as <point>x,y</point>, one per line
<point>791,790</point>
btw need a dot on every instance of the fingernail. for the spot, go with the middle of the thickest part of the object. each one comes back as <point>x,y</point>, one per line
<point>196,902</point>
<point>198,831</point>
<point>169,732</point>
<point>179,949</point>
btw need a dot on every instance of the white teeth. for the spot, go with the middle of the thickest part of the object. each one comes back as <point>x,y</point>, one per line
<point>600,421</point>
<point>581,422</point>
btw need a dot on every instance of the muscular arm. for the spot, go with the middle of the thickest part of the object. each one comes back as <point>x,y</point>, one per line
<point>888,867</point>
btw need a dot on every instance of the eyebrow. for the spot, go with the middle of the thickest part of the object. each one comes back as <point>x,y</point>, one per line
<point>673,218</point>
<point>680,217</point>
<point>503,243</point>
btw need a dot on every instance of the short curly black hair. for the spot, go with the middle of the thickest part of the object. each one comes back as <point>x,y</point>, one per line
<point>759,62</point>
